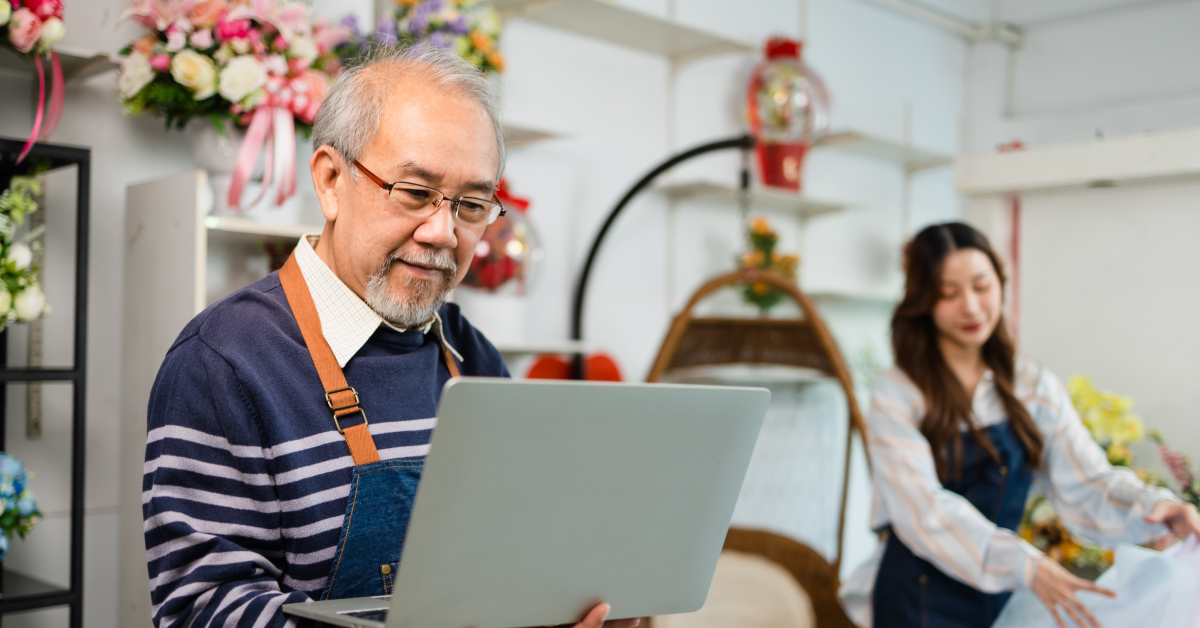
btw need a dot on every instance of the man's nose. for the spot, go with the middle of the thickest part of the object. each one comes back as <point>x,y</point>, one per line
<point>438,229</point>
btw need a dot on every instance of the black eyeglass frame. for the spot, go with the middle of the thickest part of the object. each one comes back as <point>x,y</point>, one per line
<point>454,202</point>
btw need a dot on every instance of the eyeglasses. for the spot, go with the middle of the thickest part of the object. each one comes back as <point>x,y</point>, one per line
<point>422,201</point>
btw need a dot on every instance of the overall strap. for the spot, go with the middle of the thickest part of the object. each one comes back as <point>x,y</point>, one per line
<point>339,395</point>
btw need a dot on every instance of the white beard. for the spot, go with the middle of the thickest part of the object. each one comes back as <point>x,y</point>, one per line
<point>424,297</point>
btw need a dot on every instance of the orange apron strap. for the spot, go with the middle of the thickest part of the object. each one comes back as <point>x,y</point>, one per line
<point>341,397</point>
<point>450,364</point>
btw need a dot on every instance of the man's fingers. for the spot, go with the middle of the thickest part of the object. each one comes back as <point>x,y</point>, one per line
<point>595,617</point>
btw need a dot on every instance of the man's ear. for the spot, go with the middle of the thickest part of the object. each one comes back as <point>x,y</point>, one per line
<point>327,168</point>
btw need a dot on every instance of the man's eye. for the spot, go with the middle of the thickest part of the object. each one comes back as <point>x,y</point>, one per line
<point>472,206</point>
<point>414,194</point>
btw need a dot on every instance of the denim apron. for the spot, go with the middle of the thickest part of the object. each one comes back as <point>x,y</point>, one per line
<point>381,491</point>
<point>910,591</point>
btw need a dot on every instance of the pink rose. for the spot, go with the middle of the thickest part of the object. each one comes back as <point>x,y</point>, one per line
<point>206,14</point>
<point>231,29</point>
<point>202,40</point>
<point>308,92</point>
<point>45,9</point>
<point>161,62</point>
<point>24,29</point>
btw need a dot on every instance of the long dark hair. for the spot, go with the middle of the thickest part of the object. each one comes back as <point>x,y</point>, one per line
<point>915,343</point>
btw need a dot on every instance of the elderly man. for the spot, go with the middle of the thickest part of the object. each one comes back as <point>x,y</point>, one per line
<point>274,402</point>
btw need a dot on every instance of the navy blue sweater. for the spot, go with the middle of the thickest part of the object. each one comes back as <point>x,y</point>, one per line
<point>246,479</point>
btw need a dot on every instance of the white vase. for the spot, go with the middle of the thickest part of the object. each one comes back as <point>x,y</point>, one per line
<point>503,318</point>
<point>217,153</point>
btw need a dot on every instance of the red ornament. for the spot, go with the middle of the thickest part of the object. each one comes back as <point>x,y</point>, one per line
<point>788,109</point>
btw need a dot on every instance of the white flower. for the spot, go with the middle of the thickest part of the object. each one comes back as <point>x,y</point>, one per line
<point>29,303</point>
<point>136,73</point>
<point>5,301</point>
<point>176,40</point>
<point>5,12</point>
<point>303,48</point>
<point>276,64</point>
<point>20,255</point>
<point>52,31</point>
<point>241,76</point>
<point>195,72</point>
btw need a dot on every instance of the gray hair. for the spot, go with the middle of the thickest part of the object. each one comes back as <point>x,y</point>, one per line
<point>349,117</point>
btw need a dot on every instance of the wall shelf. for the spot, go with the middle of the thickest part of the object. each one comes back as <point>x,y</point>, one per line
<point>879,299</point>
<point>519,135</point>
<point>77,66</point>
<point>864,145</point>
<point>623,26</point>
<point>221,227</point>
<point>759,198</point>
<point>539,347</point>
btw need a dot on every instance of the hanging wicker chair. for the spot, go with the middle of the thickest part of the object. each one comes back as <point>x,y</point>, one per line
<point>799,342</point>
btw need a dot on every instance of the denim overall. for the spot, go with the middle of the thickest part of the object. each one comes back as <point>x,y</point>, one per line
<point>381,491</point>
<point>910,591</point>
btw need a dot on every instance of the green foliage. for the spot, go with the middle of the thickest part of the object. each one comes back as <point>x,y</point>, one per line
<point>174,102</point>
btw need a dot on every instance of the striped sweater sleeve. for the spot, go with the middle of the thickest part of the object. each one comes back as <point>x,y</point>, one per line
<point>211,516</point>
<point>938,525</point>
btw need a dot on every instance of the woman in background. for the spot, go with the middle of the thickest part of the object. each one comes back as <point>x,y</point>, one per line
<point>959,430</point>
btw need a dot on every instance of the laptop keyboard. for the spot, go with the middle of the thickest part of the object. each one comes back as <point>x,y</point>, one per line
<point>379,614</point>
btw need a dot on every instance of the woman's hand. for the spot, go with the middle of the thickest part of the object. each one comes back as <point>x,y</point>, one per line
<point>1181,518</point>
<point>1056,587</point>
<point>595,619</point>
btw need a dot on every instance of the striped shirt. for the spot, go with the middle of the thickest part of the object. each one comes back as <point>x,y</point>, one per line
<point>246,480</point>
<point>1095,500</point>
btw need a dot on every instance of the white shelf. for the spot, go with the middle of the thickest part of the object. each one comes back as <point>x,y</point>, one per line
<point>623,26</point>
<point>1168,155</point>
<point>759,198</point>
<point>536,348</point>
<point>219,226</point>
<point>519,135</point>
<point>864,145</point>
<point>77,66</point>
<point>879,299</point>
<point>743,375</point>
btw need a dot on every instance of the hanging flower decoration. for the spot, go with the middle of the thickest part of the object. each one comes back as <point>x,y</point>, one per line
<point>21,296</point>
<point>507,254</point>
<point>469,27</point>
<point>264,64</point>
<point>787,107</point>
<point>31,28</point>
<point>762,254</point>
<point>20,512</point>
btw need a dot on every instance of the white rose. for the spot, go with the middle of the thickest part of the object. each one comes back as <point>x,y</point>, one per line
<point>5,12</point>
<point>136,73</point>
<point>303,48</point>
<point>20,255</point>
<point>195,72</point>
<point>276,64</point>
<point>52,31</point>
<point>241,76</point>
<point>29,304</point>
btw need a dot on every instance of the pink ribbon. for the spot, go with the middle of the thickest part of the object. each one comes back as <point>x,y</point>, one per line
<point>273,129</point>
<point>57,96</point>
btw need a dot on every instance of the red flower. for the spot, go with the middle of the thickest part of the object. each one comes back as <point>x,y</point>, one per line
<point>45,9</point>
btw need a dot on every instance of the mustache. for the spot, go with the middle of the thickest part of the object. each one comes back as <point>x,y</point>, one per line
<point>441,259</point>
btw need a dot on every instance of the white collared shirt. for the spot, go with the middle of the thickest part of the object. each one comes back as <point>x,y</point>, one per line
<point>346,320</point>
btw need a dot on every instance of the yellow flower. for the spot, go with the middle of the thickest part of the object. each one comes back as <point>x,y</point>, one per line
<point>1027,534</point>
<point>1118,454</point>
<point>1070,550</point>
<point>481,41</point>
<point>496,60</point>
<point>1131,430</point>
<point>760,287</point>
<point>752,259</point>
<point>408,3</point>
<point>760,226</point>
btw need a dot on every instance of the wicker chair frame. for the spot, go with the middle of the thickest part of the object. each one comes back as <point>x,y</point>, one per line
<point>804,342</point>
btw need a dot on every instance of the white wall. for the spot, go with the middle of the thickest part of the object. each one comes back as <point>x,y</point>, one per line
<point>1102,271</point>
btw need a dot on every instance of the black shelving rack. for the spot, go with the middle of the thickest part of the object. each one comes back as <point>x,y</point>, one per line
<point>18,592</point>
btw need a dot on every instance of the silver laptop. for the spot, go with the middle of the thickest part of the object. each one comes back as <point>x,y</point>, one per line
<point>541,499</point>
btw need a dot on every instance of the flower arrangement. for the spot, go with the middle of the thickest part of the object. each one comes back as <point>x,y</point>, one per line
<point>31,28</point>
<point>1112,424</point>
<point>1181,469</point>
<point>33,25</point>
<point>19,509</point>
<point>21,297</point>
<point>224,59</point>
<point>470,27</point>
<point>508,250</point>
<point>762,254</point>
